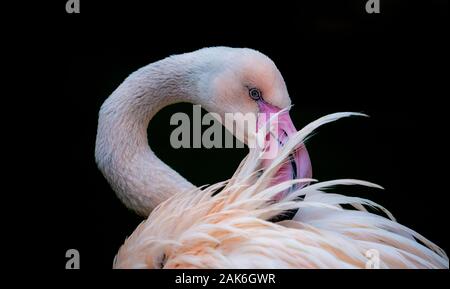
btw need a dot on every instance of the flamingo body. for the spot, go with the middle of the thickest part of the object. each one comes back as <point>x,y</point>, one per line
<point>189,227</point>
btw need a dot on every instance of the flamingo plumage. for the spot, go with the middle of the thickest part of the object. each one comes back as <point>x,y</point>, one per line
<point>231,224</point>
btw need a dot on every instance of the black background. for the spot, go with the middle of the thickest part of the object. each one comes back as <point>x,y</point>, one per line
<point>333,56</point>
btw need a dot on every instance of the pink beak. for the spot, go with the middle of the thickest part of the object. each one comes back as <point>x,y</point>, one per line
<point>299,166</point>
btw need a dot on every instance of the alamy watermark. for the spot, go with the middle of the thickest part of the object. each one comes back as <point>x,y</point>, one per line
<point>256,130</point>
<point>373,257</point>
<point>73,261</point>
<point>373,6</point>
<point>73,6</point>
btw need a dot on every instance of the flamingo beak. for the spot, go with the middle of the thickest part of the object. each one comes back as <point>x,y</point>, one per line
<point>299,165</point>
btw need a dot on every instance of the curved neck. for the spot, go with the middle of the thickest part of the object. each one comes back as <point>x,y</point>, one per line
<point>140,179</point>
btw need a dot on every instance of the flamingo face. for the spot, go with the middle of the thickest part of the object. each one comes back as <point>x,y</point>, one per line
<point>250,83</point>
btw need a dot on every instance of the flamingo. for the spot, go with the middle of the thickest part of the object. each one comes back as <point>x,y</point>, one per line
<point>233,224</point>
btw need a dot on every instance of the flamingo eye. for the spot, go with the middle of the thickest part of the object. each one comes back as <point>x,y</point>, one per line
<point>255,93</point>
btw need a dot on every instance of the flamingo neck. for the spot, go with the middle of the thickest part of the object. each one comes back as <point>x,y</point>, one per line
<point>140,179</point>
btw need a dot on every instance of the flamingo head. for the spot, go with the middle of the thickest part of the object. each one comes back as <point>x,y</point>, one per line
<point>248,83</point>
